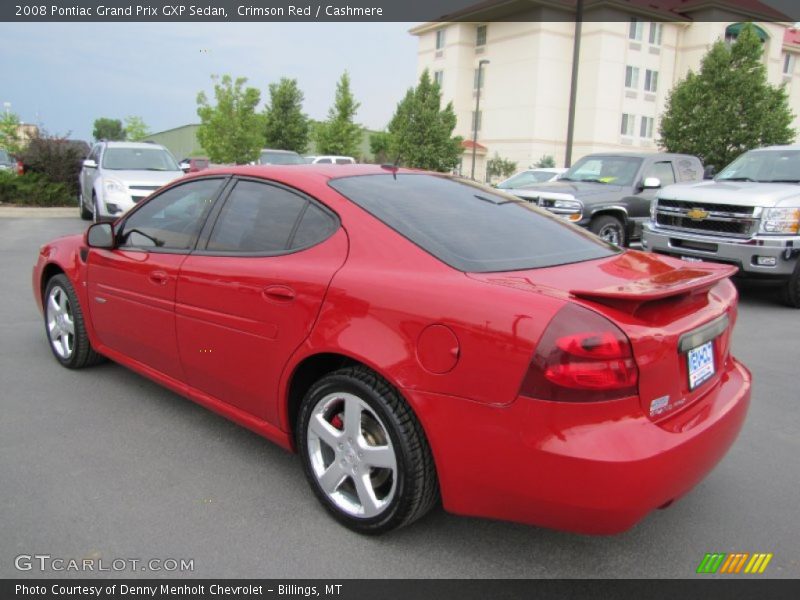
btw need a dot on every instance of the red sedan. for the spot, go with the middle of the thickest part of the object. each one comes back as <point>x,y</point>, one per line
<point>414,337</point>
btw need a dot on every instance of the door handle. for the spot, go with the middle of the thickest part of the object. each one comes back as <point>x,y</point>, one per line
<point>279,293</point>
<point>159,277</point>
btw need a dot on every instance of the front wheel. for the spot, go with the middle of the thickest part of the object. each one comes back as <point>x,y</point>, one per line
<point>64,325</point>
<point>791,289</point>
<point>86,215</point>
<point>364,452</point>
<point>608,228</point>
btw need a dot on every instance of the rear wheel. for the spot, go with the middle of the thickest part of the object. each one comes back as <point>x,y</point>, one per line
<point>608,228</point>
<point>364,452</point>
<point>791,289</point>
<point>64,325</point>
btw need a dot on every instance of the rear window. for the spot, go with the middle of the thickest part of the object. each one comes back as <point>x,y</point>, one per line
<point>468,226</point>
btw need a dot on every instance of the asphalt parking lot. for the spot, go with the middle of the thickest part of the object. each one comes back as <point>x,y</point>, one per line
<point>104,463</point>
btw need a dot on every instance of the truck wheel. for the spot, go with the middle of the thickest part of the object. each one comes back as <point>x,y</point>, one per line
<point>608,228</point>
<point>791,289</point>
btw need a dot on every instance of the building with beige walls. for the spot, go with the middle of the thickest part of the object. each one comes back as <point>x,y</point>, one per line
<point>631,54</point>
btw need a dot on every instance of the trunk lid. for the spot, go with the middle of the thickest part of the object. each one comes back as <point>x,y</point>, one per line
<point>677,315</point>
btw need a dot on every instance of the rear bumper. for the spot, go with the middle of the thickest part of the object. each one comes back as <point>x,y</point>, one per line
<point>742,253</point>
<point>590,468</point>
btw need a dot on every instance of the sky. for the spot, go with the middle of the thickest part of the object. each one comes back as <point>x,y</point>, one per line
<point>63,76</point>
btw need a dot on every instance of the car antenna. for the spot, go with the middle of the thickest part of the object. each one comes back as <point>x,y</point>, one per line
<point>393,167</point>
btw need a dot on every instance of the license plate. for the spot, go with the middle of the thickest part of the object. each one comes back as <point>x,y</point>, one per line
<point>700,361</point>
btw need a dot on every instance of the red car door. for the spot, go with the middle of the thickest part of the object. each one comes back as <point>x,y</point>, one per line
<point>132,287</point>
<point>249,295</point>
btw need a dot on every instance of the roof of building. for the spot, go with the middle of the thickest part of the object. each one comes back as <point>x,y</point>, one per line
<point>468,145</point>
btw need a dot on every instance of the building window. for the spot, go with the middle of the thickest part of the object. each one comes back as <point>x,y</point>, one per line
<point>438,78</point>
<point>440,39</point>
<point>650,81</point>
<point>646,128</point>
<point>635,30</point>
<point>788,63</point>
<point>480,35</point>
<point>627,124</point>
<point>476,126</point>
<point>477,79</point>
<point>655,33</point>
<point>631,77</point>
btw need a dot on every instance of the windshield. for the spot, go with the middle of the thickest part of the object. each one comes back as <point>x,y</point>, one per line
<point>764,166</point>
<point>468,226</point>
<point>525,178</point>
<point>139,159</point>
<point>280,158</point>
<point>619,170</point>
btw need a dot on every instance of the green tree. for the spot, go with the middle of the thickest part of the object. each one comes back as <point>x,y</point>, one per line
<point>340,135</point>
<point>285,125</point>
<point>546,162</point>
<point>9,133</point>
<point>135,128</point>
<point>108,129</point>
<point>421,132</point>
<point>379,144</point>
<point>500,167</point>
<point>230,131</point>
<point>728,107</point>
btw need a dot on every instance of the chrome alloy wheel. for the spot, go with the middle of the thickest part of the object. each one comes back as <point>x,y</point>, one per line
<point>351,455</point>
<point>60,322</point>
<point>611,233</point>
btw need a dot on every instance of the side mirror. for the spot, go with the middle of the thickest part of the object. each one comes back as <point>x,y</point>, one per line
<point>651,183</point>
<point>100,235</point>
<point>709,172</point>
<point>185,167</point>
<point>90,163</point>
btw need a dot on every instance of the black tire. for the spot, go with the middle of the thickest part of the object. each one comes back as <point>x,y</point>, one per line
<point>791,289</point>
<point>81,354</point>
<point>414,482</point>
<point>95,209</point>
<point>86,215</point>
<point>609,228</point>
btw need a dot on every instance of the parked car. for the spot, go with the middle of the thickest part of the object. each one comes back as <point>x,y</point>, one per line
<point>117,175</point>
<point>530,177</point>
<point>330,160</point>
<point>411,334</point>
<point>610,194</point>
<point>7,162</point>
<point>280,157</point>
<point>748,216</point>
<point>193,164</point>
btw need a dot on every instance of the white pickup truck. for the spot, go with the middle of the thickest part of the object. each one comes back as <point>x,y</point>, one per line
<point>749,216</point>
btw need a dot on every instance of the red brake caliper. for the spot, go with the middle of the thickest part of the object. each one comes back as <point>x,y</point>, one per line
<point>337,422</point>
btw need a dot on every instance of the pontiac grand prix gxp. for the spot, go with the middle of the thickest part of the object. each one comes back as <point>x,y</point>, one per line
<point>414,337</point>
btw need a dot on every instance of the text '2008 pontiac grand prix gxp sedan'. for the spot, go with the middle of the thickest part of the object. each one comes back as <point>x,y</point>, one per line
<point>414,337</point>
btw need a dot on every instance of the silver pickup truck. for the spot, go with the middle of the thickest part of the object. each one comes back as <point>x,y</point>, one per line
<point>749,216</point>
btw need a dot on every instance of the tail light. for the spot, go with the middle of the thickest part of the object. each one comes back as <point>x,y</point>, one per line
<point>20,168</point>
<point>582,357</point>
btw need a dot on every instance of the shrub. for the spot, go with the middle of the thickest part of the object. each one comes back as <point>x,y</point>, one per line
<point>33,189</point>
<point>57,158</point>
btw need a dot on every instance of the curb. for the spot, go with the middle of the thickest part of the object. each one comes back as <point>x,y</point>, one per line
<point>38,212</point>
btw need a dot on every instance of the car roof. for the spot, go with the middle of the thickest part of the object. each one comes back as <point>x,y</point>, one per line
<point>132,145</point>
<point>641,154</point>
<point>780,147</point>
<point>297,173</point>
<point>278,151</point>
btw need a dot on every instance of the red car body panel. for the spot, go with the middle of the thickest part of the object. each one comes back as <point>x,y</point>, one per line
<point>231,332</point>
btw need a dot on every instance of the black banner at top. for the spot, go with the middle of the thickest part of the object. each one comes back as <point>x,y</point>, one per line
<point>396,10</point>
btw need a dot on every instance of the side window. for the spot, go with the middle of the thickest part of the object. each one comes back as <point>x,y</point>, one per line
<point>95,153</point>
<point>344,161</point>
<point>172,219</point>
<point>324,161</point>
<point>266,219</point>
<point>664,171</point>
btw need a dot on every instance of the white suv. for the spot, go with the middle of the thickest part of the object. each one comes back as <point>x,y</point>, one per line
<point>117,175</point>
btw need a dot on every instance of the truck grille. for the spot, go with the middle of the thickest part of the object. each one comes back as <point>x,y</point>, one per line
<point>703,217</point>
